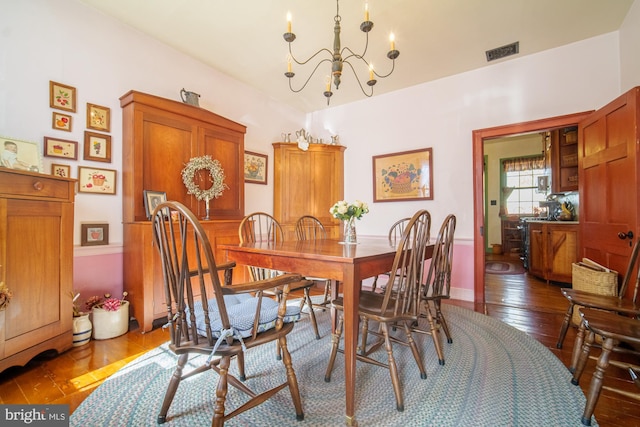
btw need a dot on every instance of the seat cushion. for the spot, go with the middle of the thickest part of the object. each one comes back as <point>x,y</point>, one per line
<point>241,310</point>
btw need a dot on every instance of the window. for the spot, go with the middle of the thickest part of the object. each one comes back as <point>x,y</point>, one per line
<point>520,194</point>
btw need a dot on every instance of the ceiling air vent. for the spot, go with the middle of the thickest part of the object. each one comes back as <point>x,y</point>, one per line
<point>501,52</point>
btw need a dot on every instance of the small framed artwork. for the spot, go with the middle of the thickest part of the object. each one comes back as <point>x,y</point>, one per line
<point>61,121</point>
<point>97,147</point>
<point>403,176</point>
<point>255,167</point>
<point>62,97</point>
<point>94,234</point>
<point>97,181</point>
<point>98,117</point>
<point>54,147</point>
<point>63,171</point>
<point>152,199</point>
<point>20,155</point>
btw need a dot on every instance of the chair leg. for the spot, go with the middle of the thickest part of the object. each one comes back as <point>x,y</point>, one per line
<point>240,360</point>
<point>364,333</point>
<point>393,368</point>
<point>442,321</point>
<point>565,326</point>
<point>577,347</point>
<point>435,333</point>
<point>173,387</point>
<point>335,340</point>
<point>221,392</point>
<point>596,380</point>
<point>291,379</point>
<point>312,314</point>
<point>414,350</point>
<point>583,357</point>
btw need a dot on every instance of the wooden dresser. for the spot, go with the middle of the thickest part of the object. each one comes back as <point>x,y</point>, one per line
<point>307,183</point>
<point>36,264</point>
<point>159,138</point>
<point>553,248</point>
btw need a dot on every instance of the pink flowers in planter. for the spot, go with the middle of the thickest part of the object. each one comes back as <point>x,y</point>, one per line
<point>107,302</point>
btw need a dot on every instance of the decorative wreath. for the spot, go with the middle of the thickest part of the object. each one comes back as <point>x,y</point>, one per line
<point>216,172</point>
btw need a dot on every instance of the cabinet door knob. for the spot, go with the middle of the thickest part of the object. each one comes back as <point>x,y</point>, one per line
<point>38,185</point>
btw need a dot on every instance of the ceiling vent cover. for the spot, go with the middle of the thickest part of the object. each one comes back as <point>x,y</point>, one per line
<point>501,52</point>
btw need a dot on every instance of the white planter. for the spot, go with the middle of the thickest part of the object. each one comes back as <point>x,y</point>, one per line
<point>110,324</point>
<point>81,330</point>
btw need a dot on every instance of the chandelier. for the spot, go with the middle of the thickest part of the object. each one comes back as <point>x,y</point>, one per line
<point>340,57</point>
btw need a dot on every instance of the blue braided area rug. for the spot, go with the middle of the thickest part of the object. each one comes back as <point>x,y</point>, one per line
<point>495,375</point>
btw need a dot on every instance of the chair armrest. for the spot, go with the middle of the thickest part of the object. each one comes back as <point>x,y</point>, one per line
<point>226,266</point>
<point>262,285</point>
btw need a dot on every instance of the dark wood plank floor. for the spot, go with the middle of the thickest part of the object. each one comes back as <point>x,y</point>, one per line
<point>522,301</point>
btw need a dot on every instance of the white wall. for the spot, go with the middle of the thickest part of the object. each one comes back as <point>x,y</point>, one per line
<point>629,48</point>
<point>67,42</point>
<point>443,114</point>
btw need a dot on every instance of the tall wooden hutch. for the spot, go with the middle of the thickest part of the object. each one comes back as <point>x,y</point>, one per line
<point>160,136</point>
<point>307,183</point>
<point>36,264</point>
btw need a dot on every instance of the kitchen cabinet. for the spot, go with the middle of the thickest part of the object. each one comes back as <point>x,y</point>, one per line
<point>36,264</point>
<point>564,159</point>
<point>159,137</point>
<point>553,248</point>
<point>307,183</point>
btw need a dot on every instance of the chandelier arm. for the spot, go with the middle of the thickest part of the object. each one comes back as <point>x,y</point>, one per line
<point>311,57</point>
<point>308,78</point>
<point>352,53</point>
<point>382,76</point>
<point>368,95</point>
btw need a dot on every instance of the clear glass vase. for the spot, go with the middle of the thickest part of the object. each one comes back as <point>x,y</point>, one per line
<point>349,236</point>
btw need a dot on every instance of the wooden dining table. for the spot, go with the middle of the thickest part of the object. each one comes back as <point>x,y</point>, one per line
<point>348,264</point>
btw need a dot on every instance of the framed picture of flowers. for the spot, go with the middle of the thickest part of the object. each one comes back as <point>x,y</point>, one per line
<point>403,176</point>
<point>98,117</point>
<point>97,147</point>
<point>255,167</point>
<point>62,97</point>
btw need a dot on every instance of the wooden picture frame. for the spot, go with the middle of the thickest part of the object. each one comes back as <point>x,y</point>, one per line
<point>255,167</point>
<point>97,147</point>
<point>61,121</point>
<point>62,97</point>
<point>55,147</point>
<point>63,171</point>
<point>153,199</point>
<point>20,155</point>
<point>96,180</point>
<point>98,117</point>
<point>403,176</point>
<point>94,234</point>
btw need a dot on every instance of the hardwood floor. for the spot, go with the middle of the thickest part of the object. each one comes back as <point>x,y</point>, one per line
<point>522,301</point>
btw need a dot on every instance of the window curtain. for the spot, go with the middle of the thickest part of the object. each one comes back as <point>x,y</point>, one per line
<point>517,164</point>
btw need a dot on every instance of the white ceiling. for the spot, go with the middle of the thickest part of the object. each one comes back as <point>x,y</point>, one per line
<point>436,38</point>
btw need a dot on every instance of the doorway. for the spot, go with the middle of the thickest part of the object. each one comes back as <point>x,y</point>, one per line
<point>479,137</point>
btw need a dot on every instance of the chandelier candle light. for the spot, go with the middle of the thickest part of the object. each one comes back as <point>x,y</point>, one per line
<point>349,212</point>
<point>337,59</point>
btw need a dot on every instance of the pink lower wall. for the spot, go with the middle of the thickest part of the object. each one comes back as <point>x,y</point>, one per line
<point>97,275</point>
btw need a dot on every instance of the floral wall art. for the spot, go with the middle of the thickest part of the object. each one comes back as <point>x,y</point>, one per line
<point>403,176</point>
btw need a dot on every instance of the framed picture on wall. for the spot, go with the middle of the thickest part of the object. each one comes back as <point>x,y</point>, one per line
<point>407,175</point>
<point>97,147</point>
<point>94,234</point>
<point>62,97</point>
<point>63,171</point>
<point>255,167</point>
<point>98,117</point>
<point>54,147</point>
<point>61,121</point>
<point>96,180</point>
<point>20,155</point>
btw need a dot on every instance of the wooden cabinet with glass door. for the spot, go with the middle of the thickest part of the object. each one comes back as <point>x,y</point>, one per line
<point>564,157</point>
<point>307,183</point>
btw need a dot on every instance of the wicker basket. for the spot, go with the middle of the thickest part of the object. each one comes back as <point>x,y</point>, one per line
<point>592,280</point>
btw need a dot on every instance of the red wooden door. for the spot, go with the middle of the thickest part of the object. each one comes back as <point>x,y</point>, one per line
<point>608,182</point>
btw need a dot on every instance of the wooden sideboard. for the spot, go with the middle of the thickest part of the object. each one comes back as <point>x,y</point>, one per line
<point>36,264</point>
<point>307,183</point>
<point>159,138</point>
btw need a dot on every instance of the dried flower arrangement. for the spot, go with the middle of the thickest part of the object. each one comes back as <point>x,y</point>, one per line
<point>5,296</point>
<point>106,302</point>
